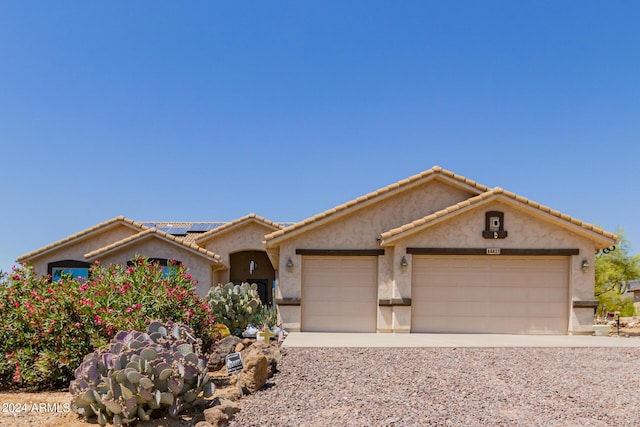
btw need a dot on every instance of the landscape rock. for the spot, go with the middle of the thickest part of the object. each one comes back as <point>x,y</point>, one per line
<point>256,369</point>
<point>227,406</point>
<point>216,417</point>
<point>203,424</point>
<point>273,354</point>
<point>226,346</point>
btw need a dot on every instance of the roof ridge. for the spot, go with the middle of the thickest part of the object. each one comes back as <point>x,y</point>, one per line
<point>228,225</point>
<point>495,192</point>
<point>435,170</point>
<point>146,232</point>
<point>68,239</point>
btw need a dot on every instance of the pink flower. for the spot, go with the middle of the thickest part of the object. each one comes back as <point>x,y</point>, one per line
<point>129,310</point>
<point>16,374</point>
<point>17,304</point>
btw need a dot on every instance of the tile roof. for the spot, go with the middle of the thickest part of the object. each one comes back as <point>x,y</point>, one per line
<point>229,225</point>
<point>148,233</point>
<point>395,234</point>
<point>77,236</point>
<point>190,235</point>
<point>399,186</point>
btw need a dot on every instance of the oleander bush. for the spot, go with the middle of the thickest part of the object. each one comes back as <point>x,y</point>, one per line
<point>48,326</point>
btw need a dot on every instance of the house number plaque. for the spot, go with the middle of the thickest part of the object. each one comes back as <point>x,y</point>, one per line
<point>493,251</point>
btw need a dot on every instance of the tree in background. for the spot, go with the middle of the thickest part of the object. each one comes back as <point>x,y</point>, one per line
<point>613,272</point>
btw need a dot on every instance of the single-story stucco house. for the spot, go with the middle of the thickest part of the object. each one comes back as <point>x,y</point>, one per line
<point>435,252</point>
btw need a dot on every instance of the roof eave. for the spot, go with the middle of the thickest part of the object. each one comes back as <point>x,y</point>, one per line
<point>154,233</point>
<point>80,236</point>
<point>598,236</point>
<point>333,214</point>
<point>229,227</point>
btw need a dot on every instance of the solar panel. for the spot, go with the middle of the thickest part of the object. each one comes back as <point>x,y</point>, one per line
<point>202,227</point>
<point>149,224</point>
<point>175,231</point>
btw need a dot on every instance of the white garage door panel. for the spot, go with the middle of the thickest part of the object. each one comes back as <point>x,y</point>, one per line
<point>490,294</point>
<point>339,294</point>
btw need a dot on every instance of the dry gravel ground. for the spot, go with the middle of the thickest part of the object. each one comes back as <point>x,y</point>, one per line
<point>417,387</point>
<point>450,387</point>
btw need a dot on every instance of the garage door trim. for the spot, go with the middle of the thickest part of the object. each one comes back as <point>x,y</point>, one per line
<point>483,251</point>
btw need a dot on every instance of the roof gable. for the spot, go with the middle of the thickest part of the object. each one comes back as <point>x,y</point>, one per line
<point>83,235</point>
<point>361,202</point>
<point>153,233</point>
<point>236,224</point>
<point>597,235</point>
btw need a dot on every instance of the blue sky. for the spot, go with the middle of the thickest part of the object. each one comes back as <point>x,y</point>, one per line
<point>207,111</point>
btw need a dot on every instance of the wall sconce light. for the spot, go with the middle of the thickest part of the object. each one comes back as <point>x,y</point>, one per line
<point>403,263</point>
<point>289,264</point>
<point>585,265</point>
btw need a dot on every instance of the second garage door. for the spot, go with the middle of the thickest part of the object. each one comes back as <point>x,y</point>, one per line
<point>339,294</point>
<point>485,294</point>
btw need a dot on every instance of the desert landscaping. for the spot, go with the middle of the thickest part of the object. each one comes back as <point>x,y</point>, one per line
<point>394,387</point>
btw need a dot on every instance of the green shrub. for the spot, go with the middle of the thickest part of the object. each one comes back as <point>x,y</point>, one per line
<point>47,327</point>
<point>142,372</point>
<point>235,305</point>
<point>613,301</point>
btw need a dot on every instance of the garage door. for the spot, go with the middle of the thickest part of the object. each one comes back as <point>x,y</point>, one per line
<point>485,294</point>
<point>339,294</point>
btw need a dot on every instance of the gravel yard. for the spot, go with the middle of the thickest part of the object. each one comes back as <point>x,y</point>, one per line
<point>448,386</point>
<point>419,387</point>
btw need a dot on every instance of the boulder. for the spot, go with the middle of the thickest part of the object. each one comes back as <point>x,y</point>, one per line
<point>216,417</point>
<point>203,424</point>
<point>272,352</point>
<point>227,406</point>
<point>226,346</point>
<point>256,369</point>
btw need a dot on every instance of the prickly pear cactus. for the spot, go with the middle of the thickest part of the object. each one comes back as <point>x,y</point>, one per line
<point>140,372</point>
<point>235,305</point>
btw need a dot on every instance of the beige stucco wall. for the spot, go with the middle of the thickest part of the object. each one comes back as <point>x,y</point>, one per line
<point>244,237</point>
<point>360,230</point>
<point>526,230</point>
<point>76,250</point>
<point>199,267</point>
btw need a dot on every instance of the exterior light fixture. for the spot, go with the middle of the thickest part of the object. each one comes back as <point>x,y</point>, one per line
<point>585,265</point>
<point>403,263</point>
<point>289,264</point>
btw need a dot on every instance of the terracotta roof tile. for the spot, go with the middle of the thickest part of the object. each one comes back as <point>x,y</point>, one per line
<point>250,217</point>
<point>393,234</point>
<point>81,234</point>
<point>397,186</point>
<point>153,231</point>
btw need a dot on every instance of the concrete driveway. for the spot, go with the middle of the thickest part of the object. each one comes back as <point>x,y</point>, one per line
<point>321,339</point>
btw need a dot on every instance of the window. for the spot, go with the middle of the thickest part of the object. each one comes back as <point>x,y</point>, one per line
<point>77,269</point>
<point>162,262</point>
